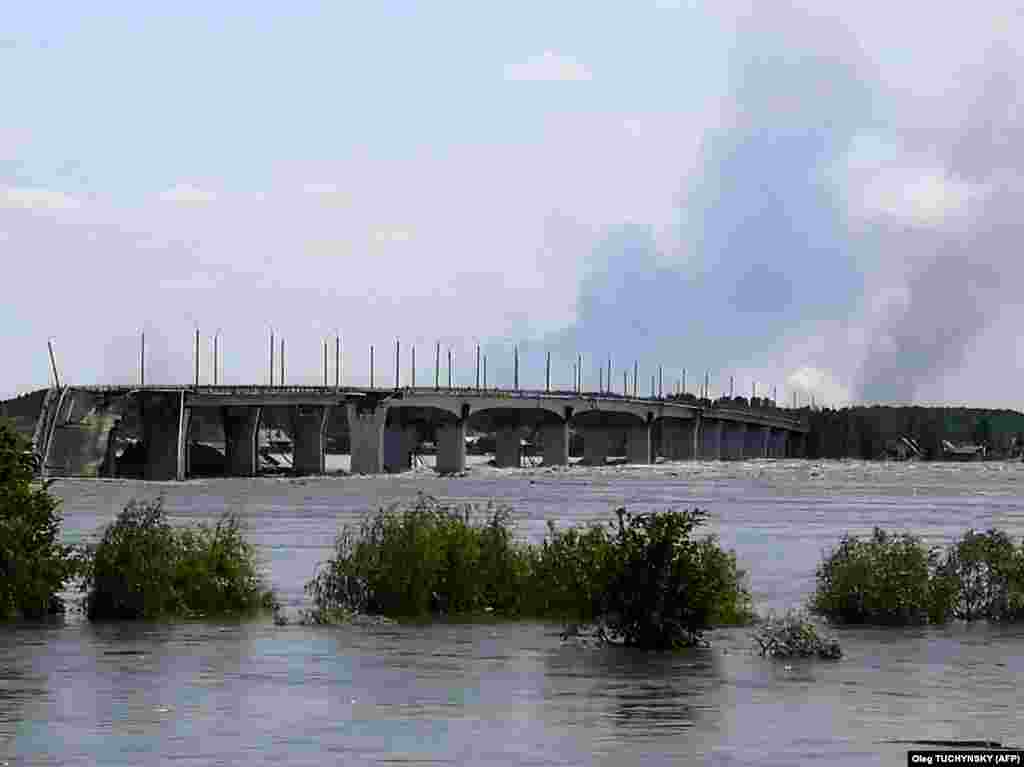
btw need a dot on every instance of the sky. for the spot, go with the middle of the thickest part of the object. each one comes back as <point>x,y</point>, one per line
<point>812,198</point>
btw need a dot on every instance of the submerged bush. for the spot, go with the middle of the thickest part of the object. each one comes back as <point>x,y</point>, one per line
<point>985,573</point>
<point>34,566</point>
<point>645,580</point>
<point>895,580</point>
<point>666,588</point>
<point>428,557</point>
<point>144,568</point>
<point>887,579</point>
<point>795,636</point>
<point>570,572</point>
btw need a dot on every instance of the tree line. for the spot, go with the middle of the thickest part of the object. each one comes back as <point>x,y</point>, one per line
<point>872,432</point>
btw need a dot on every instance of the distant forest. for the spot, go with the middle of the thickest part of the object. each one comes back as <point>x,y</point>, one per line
<point>868,432</point>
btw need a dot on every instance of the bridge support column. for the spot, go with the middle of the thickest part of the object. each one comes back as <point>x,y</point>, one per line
<point>109,467</point>
<point>638,444</point>
<point>797,443</point>
<point>451,447</point>
<point>671,438</point>
<point>711,440</point>
<point>735,440</point>
<point>165,422</point>
<point>756,441</point>
<point>766,441</point>
<point>399,444</point>
<point>778,443</point>
<point>678,439</point>
<point>556,444</point>
<point>507,452</point>
<point>691,439</point>
<point>241,431</point>
<point>366,439</point>
<point>595,445</point>
<point>308,422</point>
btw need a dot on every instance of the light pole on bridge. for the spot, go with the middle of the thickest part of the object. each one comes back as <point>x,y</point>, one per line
<point>53,362</point>
<point>197,355</point>
<point>216,337</point>
<point>271,355</point>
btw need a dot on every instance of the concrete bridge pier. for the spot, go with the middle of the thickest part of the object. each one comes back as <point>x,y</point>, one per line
<point>366,437</point>
<point>398,447</point>
<point>556,444</point>
<point>735,438</point>
<point>671,439</point>
<point>165,422</point>
<point>109,467</point>
<point>507,452</point>
<point>756,445</point>
<point>451,447</point>
<point>778,443</point>
<point>678,439</point>
<point>308,423</point>
<point>796,444</point>
<point>638,444</point>
<point>241,432</point>
<point>595,445</point>
<point>711,440</point>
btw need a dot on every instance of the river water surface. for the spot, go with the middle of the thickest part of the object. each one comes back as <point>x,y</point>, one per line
<point>512,694</point>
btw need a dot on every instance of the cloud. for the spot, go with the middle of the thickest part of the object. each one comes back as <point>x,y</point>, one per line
<point>823,211</point>
<point>187,194</point>
<point>37,199</point>
<point>957,278</point>
<point>328,194</point>
<point>919,196</point>
<point>548,67</point>
<point>811,382</point>
<point>392,235</point>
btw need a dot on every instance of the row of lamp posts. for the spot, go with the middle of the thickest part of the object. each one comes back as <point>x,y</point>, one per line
<point>604,372</point>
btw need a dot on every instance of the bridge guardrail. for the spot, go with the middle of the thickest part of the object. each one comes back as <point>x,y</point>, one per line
<point>497,392</point>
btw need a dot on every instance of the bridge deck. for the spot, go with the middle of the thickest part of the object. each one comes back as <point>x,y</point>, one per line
<point>223,395</point>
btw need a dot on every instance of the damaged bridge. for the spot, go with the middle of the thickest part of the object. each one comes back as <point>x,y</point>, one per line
<point>78,429</point>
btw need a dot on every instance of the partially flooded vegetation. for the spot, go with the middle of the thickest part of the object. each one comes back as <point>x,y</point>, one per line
<point>645,579</point>
<point>34,565</point>
<point>145,568</point>
<point>895,580</point>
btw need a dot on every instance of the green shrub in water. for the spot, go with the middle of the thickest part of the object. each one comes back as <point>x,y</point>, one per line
<point>144,568</point>
<point>646,582</point>
<point>887,579</point>
<point>427,557</point>
<point>34,566</point>
<point>570,572</point>
<point>667,587</point>
<point>985,573</point>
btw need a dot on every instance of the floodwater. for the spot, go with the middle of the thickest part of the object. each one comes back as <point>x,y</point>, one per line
<point>511,693</point>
